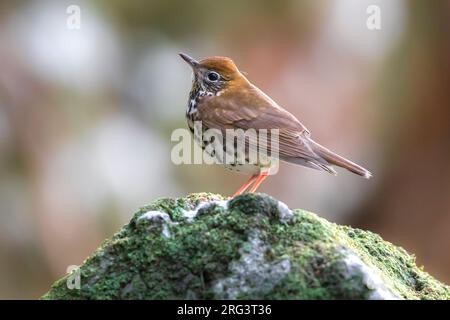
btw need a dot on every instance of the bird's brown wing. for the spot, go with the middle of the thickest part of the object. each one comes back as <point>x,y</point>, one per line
<point>252,109</point>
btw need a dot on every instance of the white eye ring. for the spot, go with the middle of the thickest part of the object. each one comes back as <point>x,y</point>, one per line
<point>213,76</point>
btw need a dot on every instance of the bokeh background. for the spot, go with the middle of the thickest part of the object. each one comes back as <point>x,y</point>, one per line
<point>86,117</point>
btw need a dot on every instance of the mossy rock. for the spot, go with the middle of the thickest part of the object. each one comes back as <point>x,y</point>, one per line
<point>248,247</point>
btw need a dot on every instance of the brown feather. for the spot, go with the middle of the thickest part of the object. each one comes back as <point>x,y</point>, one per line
<point>249,108</point>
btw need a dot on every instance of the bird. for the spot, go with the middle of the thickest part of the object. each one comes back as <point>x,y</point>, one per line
<point>223,98</point>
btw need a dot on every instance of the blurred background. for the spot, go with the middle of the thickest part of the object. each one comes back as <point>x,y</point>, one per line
<point>86,116</point>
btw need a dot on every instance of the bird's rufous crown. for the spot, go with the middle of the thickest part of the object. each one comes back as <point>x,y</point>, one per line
<point>223,65</point>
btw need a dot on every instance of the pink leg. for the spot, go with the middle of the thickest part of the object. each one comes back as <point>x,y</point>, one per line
<point>245,185</point>
<point>258,182</point>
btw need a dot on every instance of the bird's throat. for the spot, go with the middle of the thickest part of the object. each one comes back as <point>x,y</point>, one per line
<point>197,92</point>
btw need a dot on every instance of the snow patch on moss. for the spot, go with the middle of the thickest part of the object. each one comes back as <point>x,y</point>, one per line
<point>158,218</point>
<point>191,214</point>
<point>252,273</point>
<point>370,276</point>
<point>284,213</point>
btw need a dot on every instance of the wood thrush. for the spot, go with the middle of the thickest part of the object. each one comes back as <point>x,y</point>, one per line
<point>223,98</point>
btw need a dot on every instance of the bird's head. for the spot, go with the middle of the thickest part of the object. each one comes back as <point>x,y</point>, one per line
<point>214,74</point>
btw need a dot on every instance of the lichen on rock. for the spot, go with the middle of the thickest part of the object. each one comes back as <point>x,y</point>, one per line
<point>249,247</point>
<point>252,274</point>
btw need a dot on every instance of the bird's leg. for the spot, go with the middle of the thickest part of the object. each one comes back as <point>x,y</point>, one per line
<point>246,185</point>
<point>262,176</point>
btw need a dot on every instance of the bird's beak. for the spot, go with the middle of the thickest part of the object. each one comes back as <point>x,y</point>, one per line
<point>191,61</point>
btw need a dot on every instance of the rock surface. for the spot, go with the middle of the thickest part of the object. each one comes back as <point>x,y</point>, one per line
<point>248,247</point>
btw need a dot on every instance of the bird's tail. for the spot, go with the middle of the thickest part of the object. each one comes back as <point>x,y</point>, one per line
<point>339,161</point>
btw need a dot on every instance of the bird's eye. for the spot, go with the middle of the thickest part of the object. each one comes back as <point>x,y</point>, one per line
<point>213,76</point>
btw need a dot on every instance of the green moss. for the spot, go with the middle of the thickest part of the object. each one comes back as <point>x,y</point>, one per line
<point>140,262</point>
<point>399,268</point>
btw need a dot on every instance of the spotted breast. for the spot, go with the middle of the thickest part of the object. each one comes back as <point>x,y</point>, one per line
<point>244,166</point>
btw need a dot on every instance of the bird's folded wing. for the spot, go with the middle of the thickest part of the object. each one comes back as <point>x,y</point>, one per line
<point>251,110</point>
